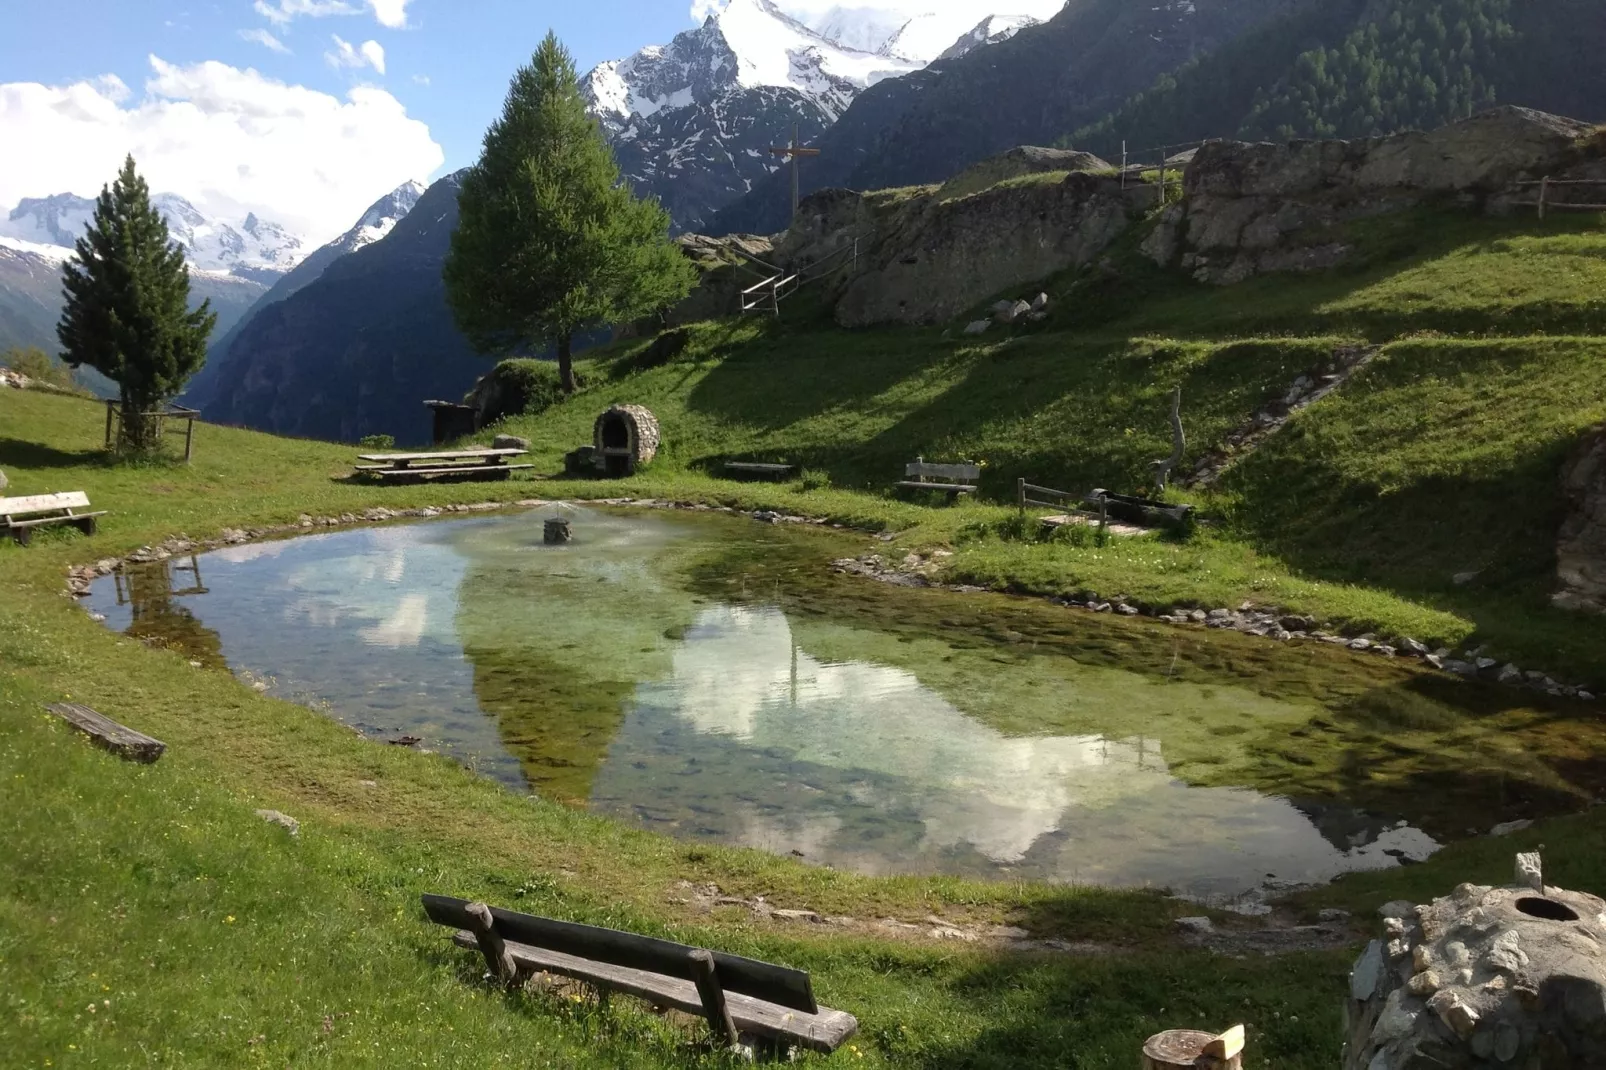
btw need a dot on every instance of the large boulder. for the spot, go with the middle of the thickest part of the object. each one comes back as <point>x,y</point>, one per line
<point>1581,543</point>
<point>1485,977</point>
<point>1018,162</point>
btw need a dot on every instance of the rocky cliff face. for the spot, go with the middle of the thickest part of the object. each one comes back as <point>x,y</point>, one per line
<point>1252,208</point>
<point>1581,543</point>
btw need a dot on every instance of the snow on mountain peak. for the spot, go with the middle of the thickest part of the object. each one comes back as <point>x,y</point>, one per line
<point>257,248</point>
<point>380,217</point>
<point>989,31</point>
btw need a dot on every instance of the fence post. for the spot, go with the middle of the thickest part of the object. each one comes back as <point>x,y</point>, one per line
<point>109,404</point>
<point>1160,202</point>
<point>1544,194</point>
<point>1123,165</point>
<point>189,439</point>
<point>1020,495</point>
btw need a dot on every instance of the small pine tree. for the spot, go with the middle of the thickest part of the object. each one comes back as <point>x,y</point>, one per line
<point>127,311</point>
<point>548,241</point>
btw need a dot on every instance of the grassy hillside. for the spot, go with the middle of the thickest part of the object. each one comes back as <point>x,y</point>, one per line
<point>203,937</point>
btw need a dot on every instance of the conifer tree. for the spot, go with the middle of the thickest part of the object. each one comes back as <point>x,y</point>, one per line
<point>127,311</point>
<point>548,241</point>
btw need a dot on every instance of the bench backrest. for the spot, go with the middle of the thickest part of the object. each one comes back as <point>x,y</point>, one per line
<point>761,980</point>
<point>43,503</point>
<point>958,473</point>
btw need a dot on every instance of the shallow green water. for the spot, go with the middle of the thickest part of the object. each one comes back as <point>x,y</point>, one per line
<point>709,677</point>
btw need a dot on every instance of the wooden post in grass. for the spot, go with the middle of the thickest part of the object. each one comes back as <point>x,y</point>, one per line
<point>1020,495</point>
<point>1191,1049</point>
<point>492,946</point>
<point>1544,194</point>
<point>791,153</point>
<point>712,994</point>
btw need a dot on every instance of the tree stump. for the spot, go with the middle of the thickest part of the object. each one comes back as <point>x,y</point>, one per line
<point>1193,1049</point>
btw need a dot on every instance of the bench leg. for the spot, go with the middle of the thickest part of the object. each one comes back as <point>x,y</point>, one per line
<point>86,524</point>
<point>497,959</point>
<point>712,994</point>
<point>23,535</point>
<point>953,496</point>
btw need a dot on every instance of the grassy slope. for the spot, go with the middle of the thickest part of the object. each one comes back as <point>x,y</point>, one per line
<point>126,878</point>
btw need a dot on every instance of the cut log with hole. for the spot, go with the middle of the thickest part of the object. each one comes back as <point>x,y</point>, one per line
<point>119,739</point>
<point>1193,1049</point>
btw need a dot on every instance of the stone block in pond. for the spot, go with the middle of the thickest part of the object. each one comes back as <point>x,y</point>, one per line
<point>1511,976</point>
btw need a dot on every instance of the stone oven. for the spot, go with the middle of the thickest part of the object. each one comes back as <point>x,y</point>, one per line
<point>1484,977</point>
<point>624,437</point>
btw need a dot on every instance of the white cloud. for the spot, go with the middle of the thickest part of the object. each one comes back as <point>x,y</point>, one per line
<point>391,14</point>
<point>809,11</point>
<point>266,40</point>
<point>282,11</point>
<point>367,54</point>
<point>421,79</point>
<point>229,140</point>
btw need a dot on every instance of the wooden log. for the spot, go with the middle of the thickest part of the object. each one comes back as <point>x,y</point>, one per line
<point>1194,1049</point>
<point>706,979</point>
<point>119,739</point>
<point>491,944</point>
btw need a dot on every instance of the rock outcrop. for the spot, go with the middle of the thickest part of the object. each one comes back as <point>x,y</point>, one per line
<point>1018,162</point>
<point>1484,977</point>
<point>923,259</point>
<point>1581,543</point>
<point>1253,208</point>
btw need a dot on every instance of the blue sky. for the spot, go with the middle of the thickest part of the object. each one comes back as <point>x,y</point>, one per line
<point>446,64</point>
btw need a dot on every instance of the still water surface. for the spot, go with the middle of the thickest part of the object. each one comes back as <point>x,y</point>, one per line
<point>655,669</point>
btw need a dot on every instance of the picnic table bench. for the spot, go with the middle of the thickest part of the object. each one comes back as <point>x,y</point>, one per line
<point>761,469</point>
<point>481,463</point>
<point>952,479</point>
<point>20,516</point>
<point>736,995</point>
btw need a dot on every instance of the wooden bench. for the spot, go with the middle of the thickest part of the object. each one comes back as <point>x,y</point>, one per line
<point>479,463</point>
<point>952,479</point>
<point>20,516</point>
<point>1135,510</point>
<point>760,469</point>
<point>119,739</point>
<point>736,995</point>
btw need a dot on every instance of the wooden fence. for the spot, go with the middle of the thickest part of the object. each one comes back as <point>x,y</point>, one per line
<point>1546,184</point>
<point>1050,498</point>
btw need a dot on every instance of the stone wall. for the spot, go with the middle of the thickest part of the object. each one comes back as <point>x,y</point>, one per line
<point>1581,543</point>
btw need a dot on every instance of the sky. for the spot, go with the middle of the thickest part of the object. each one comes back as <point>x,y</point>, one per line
<point>305,111</point>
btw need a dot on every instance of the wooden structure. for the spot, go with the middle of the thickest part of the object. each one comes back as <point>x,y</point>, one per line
<point>1031,494</point>
<point>19,516</point>
<point>1563,186</point>
<point>951,479</point>
<point>476,463</point>
<point>791,153</point>
<point>114,425</point>
<point>1133,509</point>
<point>767,294</point>
<point>119,739</point>
<point>625,437</point>
<point>760,469</point>
<point>450,421</point>
<point>736,995</point>
<point>1192,1049</point>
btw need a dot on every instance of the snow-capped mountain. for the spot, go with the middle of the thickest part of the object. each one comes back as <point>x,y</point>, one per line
<point>989,31</point>
<point>257,249</point>
<point>692,122</point>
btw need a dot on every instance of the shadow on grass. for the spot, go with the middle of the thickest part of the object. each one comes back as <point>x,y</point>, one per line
<point>22,454</point>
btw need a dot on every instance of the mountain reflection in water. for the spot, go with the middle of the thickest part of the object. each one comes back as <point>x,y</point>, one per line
<point>595,674</point>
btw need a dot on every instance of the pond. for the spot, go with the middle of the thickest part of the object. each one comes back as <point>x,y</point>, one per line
<point>710,677</point>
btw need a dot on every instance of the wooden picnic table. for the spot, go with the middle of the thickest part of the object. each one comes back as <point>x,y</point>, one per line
<point>492,463</point>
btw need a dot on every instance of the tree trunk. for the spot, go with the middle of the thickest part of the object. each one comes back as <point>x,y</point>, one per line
<point>138,431</point>
<point>565,364</point>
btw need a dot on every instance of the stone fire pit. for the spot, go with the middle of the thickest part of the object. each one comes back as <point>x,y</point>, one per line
<point>1511,977</point>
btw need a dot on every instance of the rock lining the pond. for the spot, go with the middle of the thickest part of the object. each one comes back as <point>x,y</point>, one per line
<point>921,570</point>
<point>1511,976</point>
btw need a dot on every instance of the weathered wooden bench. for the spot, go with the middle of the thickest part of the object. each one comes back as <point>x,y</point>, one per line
<point>479,463</point>
<point>1135,510</point>
<point>760,469</point>
<point>119,739</point>
<point>20,516</point>
<point>951,479</point>
<point>738,996</point>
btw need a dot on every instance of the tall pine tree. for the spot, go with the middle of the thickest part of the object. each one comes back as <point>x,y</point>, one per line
<point>548,241</point>
<point>127,311</point>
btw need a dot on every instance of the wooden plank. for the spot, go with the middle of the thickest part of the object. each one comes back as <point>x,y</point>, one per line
<point>761,980</point>
<point>824,1031</point>
<point>38,503</point>
<point>445,470</point>
<point>388,458</point>
<point>952,488</point>
<point>759,466</point>
<point>65,518</point>
<point>943,471</point>
<point>119,739</point>
<point>491,944</point>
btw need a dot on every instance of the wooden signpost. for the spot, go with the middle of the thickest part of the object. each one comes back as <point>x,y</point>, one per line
<point>792,152</point>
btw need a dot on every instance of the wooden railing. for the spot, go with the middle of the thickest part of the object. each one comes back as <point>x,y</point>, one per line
<point>766,295</point>
<point>1546,184</point>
